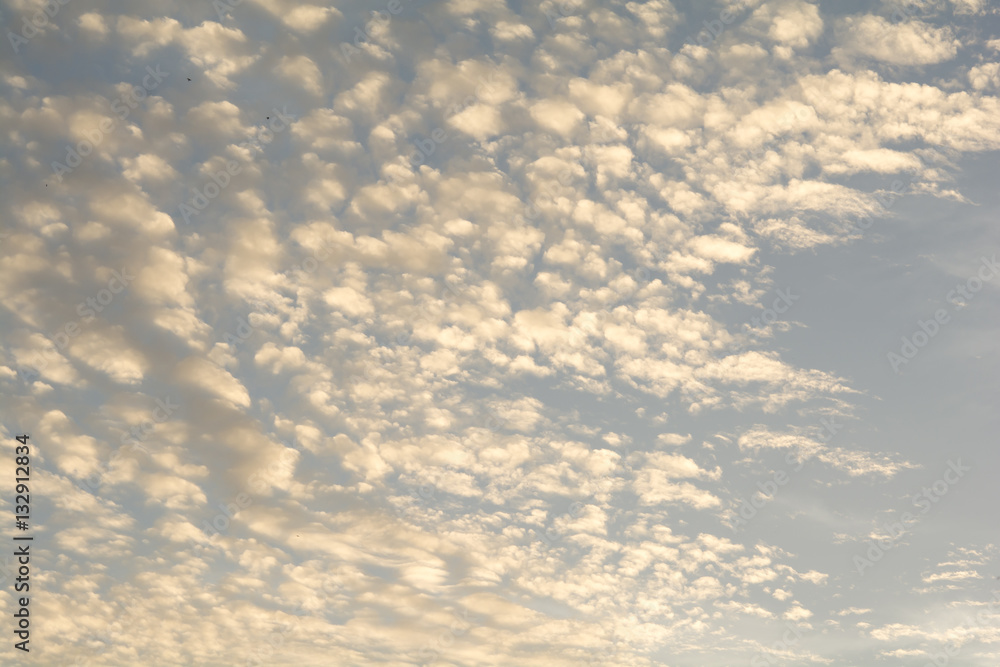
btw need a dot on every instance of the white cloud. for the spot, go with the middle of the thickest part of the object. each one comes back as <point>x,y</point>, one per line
<point>910,42</point>
<point>510,377</point>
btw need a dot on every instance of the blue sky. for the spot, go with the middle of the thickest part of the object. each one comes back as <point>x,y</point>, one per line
<point>487,333</point>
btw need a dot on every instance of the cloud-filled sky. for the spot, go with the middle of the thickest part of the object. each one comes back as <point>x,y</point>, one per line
<point>474,332</point>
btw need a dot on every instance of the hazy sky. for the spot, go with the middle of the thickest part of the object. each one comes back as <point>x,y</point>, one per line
<point>483,333</point>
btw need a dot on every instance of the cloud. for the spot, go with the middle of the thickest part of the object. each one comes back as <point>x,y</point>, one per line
<point>911,42</point>
<point>461,356</point>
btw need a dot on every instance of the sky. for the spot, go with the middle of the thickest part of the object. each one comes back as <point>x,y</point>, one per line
<point>475,332</point>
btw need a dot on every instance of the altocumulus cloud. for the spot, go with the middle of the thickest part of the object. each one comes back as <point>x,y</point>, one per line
<point>448,301</point>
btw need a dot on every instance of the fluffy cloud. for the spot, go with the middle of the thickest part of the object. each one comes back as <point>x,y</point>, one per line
<point>460,353</point>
